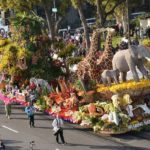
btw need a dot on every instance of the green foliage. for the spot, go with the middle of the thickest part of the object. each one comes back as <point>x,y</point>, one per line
<point>31,47</point>
<point>3,42</point>
<point>11,53</point>
<point>94,120</point>
<point>59,44</point>
<point>42,103</point>
<point>79,85</point>
<point>116,40</point>
<point>67,51</point>
<point>17,5</point>
<point>100,122</point>
<point>74,60</point>
<point>29,26</point>
<point>83,108</point>
<point>135,22</point>
<point>146,128</point>
<point>28,29</point>
<point>124,118</point>
<point>44,69</point>
<point>29,21</point>
<point>63,6</point>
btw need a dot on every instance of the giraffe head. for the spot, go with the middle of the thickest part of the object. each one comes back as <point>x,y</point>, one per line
<point>100,30</point>
<point>111,31</point>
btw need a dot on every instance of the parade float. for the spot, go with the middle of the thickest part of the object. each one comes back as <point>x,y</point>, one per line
<point>121,108</point>
<point>124,105</point>
<point>108,108</point>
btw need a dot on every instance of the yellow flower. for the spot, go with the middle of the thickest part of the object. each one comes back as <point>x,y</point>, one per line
<point>129,85</point>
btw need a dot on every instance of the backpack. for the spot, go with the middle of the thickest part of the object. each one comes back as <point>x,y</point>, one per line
<point>29,111</point>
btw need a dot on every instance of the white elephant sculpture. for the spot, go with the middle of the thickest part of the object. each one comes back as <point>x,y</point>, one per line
<point>43,83</point>
<point>108,76</point>
<point>129,59</point>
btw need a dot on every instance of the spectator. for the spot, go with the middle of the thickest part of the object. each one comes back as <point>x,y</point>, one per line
<point>8,110</point>
<point>148,32</point>
<point>32,96</point>
<point>30,110</point>
<point>80,39</point>
<point>137,30</point>
<point>141,33</point>
<point>120,29</point>
<point>58,130</point>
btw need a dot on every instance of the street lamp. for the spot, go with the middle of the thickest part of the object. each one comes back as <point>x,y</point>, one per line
<point>54,9</point>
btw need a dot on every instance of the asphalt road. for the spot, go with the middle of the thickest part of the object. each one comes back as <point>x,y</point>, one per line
<point>17,134</point>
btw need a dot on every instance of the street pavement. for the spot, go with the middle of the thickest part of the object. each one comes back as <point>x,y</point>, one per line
<point>17,134</point>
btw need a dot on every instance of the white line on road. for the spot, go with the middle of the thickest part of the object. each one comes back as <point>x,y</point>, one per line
<point>9,129</point>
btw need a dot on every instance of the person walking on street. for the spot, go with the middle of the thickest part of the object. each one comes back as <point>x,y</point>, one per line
<point>8,110</point>
<point>58,130</point>
<point>30,110</point>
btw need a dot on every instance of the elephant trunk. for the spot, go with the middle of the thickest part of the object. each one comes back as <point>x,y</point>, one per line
<point>147,58</point>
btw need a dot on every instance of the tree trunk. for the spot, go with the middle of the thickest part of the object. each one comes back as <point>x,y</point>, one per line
<point>100,13</point>
<point>118,17</point>
<point>49,22</point>
<point>57,24</point>
<point>124,22</point>
<point>83,20</point>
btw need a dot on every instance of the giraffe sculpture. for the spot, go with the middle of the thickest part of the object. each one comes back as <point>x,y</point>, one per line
<point>90,66</point>
<point>84,67</point>
<point>105,61</point>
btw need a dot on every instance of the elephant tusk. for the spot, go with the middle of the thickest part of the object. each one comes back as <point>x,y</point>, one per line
<point>147,58</point>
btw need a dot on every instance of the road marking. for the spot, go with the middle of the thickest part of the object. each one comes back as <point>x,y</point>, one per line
<point>10,129</point>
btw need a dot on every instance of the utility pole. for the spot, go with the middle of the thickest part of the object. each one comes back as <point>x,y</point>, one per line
<point>128,23</point>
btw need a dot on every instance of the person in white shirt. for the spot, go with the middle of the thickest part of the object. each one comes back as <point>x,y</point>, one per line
<point>58,130</point>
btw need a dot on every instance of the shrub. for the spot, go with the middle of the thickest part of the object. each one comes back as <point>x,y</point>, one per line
<point>74,60</point>
<point>67,51</point>
<point>146,42</point>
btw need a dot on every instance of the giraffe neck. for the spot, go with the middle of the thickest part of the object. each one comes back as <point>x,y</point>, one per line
<point>108,44</point>
<point>94,43</point>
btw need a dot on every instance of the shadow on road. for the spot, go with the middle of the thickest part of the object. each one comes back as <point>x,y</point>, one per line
<point>25,118</point>
<point>7,142</point>
<point>13,148</point>
<point>43,127</point>
<point>108,147</point>
<point>78,129</point>
<point>130,136</point>
<point>11,141</point>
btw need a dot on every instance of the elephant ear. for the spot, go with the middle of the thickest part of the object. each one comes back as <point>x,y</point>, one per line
<point>133,51</point>
<point>143,52</point>
<point>139,52</point>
